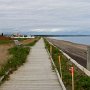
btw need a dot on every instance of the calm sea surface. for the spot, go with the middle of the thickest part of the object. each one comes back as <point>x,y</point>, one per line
<point>81,40</point>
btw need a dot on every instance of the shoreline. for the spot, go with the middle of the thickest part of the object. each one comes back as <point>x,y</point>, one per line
<point>76,51</point>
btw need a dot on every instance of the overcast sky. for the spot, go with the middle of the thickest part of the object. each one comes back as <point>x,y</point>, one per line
<point>45,16</point>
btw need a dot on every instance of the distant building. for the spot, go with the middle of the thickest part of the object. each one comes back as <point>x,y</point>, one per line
<point>21,36</point>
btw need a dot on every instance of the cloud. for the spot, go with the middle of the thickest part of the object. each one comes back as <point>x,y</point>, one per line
<point>44,15</point>
<point>47,30</point>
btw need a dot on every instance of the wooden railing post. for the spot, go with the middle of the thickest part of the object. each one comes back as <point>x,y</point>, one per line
<point>72,73</point>
<point>51,50</point>
<point>88,58</point>
<point>60,67</point>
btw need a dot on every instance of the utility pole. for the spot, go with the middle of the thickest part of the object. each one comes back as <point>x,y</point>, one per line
<point>2,34</point>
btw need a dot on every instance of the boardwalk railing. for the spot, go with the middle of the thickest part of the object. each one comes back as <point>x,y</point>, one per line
<point>59,78</point>
<point>87,72</point>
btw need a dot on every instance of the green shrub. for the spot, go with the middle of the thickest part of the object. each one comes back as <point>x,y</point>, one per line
<point>19,55</point>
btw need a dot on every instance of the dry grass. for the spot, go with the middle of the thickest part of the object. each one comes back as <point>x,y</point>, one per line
<point>4,54</point>
<point>27,41</point>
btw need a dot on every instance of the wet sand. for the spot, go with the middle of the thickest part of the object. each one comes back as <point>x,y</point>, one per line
<point>77,51</point>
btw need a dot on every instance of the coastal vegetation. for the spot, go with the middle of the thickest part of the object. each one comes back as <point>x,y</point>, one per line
<point>33,42</point>
<point>81,81</point>
<point>18,57</point>
<point>5,41</point>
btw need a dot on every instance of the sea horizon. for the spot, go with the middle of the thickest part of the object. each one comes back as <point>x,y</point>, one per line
<point>79,40</point>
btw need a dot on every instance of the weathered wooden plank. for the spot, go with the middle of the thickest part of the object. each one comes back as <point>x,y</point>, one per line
<point>35,74</point>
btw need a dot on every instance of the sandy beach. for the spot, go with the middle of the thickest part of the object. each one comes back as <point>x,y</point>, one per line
<point>74,50</point>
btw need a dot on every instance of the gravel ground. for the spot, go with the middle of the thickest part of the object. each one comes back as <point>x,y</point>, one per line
<point>76,51</point>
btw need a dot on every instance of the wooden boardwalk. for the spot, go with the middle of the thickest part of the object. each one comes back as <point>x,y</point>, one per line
<point>35,74</point>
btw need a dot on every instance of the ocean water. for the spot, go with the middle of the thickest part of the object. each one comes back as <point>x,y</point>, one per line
<point>81,40</point>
